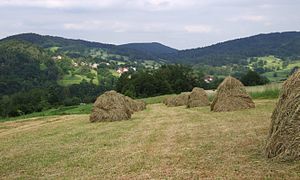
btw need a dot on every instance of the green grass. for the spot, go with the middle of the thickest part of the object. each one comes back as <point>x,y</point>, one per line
<point>276,65</point>
<point>159,143</point>
<point>75,79</point>
<point>266,94</point>
<point>54,49</point>
<point>114,72</point>
<point>64,110</point>
<point>282,73</point>
<point>271,62</point>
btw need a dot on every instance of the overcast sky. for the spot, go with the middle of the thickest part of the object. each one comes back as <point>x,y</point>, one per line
<point>180,24</point>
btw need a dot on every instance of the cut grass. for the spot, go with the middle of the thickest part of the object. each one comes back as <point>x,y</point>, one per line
<point>67,110</point>
<point>157,99</point>
<point>159,143</point>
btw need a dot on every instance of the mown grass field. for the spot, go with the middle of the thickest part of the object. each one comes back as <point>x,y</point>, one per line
<point>157,143</point>
<point>269,91</point>
<point>69,79</point>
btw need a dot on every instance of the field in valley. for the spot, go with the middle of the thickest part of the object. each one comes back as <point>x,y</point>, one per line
<point>157,143</point>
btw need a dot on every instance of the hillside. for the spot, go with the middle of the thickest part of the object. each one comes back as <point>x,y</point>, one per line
<point>24,66</point>
<point>285,45</point>
<point>150,48</point>
<point>81,48</point>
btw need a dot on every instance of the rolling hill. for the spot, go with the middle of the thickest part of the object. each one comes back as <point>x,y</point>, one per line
<point>23,66</point>
<point>285,45</point>
<point>81,48</point>
<point>150,48</point>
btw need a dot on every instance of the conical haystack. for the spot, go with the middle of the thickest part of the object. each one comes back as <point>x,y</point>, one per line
<point>283,141</point>
<point>111,106</point>
<point>197,98</point>
<point>135,105</point>
<point>231,95</point>
<point>178,100</point>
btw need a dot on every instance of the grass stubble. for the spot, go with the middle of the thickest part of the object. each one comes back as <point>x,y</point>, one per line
<point>159,142</point>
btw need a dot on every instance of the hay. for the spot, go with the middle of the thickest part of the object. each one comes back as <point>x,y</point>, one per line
<point>178,100</point>
<point>197,98</point>
<point>283,141</point>
<point>111,106</point>
<point>135,105</point>
<point>231,95</point>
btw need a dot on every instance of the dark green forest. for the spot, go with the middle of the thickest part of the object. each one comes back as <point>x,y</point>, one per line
<point>284,45</point>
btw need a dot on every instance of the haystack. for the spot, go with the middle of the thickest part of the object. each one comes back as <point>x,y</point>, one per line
<point>135,105</point>
<point>111,106</point>
<point>197,98</point>
<point>178,100</point>
<point>283,141</point>
<point>231,95</point>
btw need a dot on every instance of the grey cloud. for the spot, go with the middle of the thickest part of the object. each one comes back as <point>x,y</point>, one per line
<point>180,24</point>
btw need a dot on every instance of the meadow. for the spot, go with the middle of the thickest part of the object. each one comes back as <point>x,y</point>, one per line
<point>269,91</point>
<point>159,142</point>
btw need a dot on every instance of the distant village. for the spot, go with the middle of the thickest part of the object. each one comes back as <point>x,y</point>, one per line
<point>119,70</point>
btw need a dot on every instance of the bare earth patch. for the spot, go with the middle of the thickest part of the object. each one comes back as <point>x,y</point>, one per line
<point>157,143</point>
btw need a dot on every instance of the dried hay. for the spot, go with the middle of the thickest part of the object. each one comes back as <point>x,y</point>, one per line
<point>111,106</point>
<point>231,95</point>
<point>197,98</point>
<point>283,141</point>
<point>178,100</point>
<point>136,105</point>
<point>167,100</point>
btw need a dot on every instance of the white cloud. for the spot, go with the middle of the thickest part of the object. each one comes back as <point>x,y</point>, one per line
<point>97,25</point>
<point>249,18</point>
<point>180,23</point>
<point>60,3</point>
<point>198,29</point>
<point>98,4</point>
<point>163,4</point>
<point>118,26</point>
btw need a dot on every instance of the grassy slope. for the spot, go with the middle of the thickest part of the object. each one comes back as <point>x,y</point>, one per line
<point>276,65</point>
<point>271,62</point>
<point>69,79</point>
<point>157,143</point>
<point>282,73</point>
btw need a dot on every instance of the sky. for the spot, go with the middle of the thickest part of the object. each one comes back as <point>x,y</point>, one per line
<point>181,24</point>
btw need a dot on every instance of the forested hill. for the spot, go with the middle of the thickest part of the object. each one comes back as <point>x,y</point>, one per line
<point>53,41</point>
<point>153,48</point>
<point>284,45</point>
<point>75,48</point>
<point>24,66</point>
